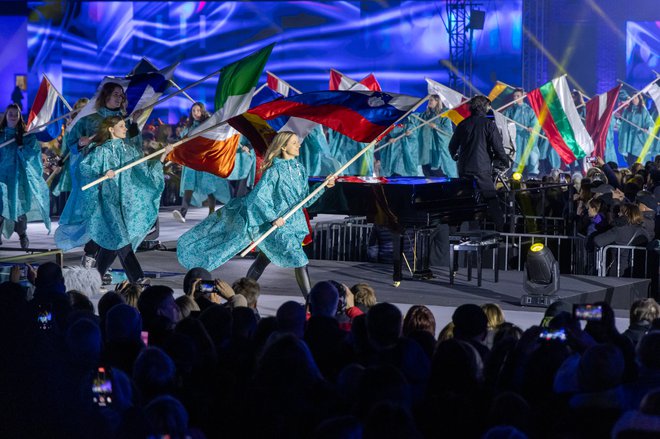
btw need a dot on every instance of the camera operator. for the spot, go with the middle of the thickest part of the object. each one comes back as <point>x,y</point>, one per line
<point>206,291</point>
<point>476,144</point>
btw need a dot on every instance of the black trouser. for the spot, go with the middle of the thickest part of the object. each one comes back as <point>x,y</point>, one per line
<point>20,225</point>
<point>486,186</point>
<point>187,198</point>
<point>428,172</point>
<point>91,249</point>
<point>129,262</point>
<point>238,188</point>
<point>302,275</point>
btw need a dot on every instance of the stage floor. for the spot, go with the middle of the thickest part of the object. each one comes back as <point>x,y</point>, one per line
<point>279,285</point>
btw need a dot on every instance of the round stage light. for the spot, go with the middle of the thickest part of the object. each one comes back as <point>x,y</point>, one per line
<point>517,176</point>
<point>536,247</point>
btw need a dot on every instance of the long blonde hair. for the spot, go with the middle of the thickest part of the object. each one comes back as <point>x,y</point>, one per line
<point>276,148</point>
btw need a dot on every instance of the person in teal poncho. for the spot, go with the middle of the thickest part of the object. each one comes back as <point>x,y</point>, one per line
<point>400,156</point>
<point>632,138</point>
<point>315,154</point>
<point>241,179</point>
<point>23,190</point>
<point>283,184</point>
<point>343,148</point>
<point>122,209</point>
<point>434,142</point>
<point>69,158</point>
<point>523,114</point>
<point>196,186</point>
<point>111,101</point>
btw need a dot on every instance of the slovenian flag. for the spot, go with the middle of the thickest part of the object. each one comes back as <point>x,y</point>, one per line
<point>559,118</point>
<point>599,117</point>
<point>360,115</point>
<point>212,145</point>
<point>47,106</point>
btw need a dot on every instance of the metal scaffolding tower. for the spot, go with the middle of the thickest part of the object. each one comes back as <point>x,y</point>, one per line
<point>460,29</point>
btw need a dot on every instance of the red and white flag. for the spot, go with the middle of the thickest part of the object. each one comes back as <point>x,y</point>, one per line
<point>339,81</point>
<point>277,85</point>
<point>43,105</point>
<point>599,115</point>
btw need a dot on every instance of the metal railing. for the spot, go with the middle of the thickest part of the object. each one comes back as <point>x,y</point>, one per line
<point>549,225</point>
<point>629,252</point>
<point>346,240</point>
<point>569,251</point>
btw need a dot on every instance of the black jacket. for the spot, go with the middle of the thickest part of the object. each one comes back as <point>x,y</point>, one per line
<point>475,144</point>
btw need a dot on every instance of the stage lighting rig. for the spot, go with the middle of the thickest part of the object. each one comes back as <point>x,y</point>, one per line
<point>541,278</point>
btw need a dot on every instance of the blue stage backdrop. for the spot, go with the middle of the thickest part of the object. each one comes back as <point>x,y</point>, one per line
<point>401,42</point>
<point>642,52</point>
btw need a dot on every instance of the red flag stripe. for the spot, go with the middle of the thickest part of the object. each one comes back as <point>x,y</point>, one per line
<point>598,126</point>
<point>537,103</point>
<point>39,100</point>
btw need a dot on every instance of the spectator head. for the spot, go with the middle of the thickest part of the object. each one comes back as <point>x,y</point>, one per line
<point>291,318</point>
<point>648,351</point>
<point>507,330</point>
<point>186,305</point>
<point>390,420</point>
<point>323,299</point>
<point>644,311</point>
<point>646,201</point>
<point>650,405</point>
<point>344,427</point>
<point>167,417</point>
<point>238,301</point>
<point>83,341</point>
<point>504,432</point>
<point>244,323</point>
<point>131,293</point>
<point>107,301</point>
<point>447,332</point>
<point>287,361</point>
<point>494,314</point>
<point>479,105</point>
<point>248,288</point>
<point>80,302</point>
<point>365,296</point>
<point>632,214</point>
<point>86,280</point>
<point>49,278</point>
<point>419,318</point>
<point>384,325</point>
<point>217,321</point>
<point>191,276</point>
<point>122,324</point>
<point>154,373</point>
<point>553,310</point>
<point>158,308</point>
<point>602,330</point>
<point>378,384</point>
<point>456,366</point>
<point>470,322</point>
<point>600,368</point>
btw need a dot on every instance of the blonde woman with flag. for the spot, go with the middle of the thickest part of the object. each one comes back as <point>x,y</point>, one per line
<point>231,229</point>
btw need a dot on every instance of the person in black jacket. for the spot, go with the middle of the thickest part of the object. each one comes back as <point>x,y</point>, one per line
<point>475,145</point>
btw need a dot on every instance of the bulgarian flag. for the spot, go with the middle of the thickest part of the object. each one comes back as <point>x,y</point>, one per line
<point>212,145</point>
<point>557,115</point>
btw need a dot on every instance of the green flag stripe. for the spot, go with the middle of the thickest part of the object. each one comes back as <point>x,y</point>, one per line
<point>240,77</point>
<point>561,120</point>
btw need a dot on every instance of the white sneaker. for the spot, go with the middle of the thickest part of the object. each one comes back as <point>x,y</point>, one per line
<point>88,262</point>
<point>177,216</point>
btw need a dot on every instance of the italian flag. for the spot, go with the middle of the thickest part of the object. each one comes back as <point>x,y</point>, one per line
<point>211,147</point>
<point>559,118</point>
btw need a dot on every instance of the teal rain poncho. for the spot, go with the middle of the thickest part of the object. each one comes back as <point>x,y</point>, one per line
<point>631,138</point>
<point>401,156</point>
<point>229,230</point>
<point>66,235</point>
<point>344,148</point>
<point>121,210</point>
<point>434,145</point>
<point>524,115</point>
<point>22,186</point>
<point>315,154</point>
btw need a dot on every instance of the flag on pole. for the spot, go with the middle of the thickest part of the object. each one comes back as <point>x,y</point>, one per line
<point>360,115</point>
<point>559,118</point>
<point>141,89</point>
<point>448,97</point>
<point>47,105</point>
<point>653,90</point>
<point>501,94</point>
<point>214,151</point>
<point>458,113</point>
<point>599,116</point>
<point>339,81</point>
<point>278,85</point>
